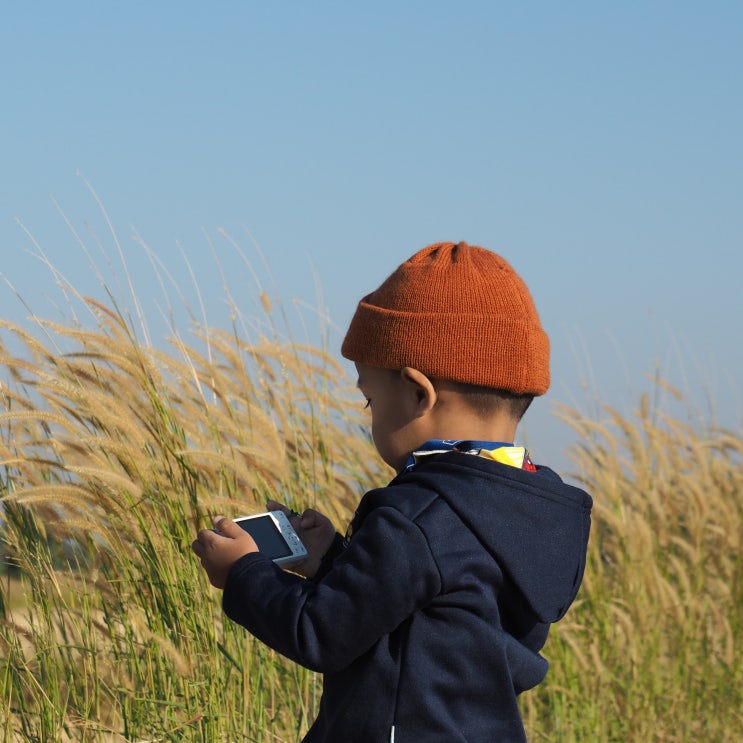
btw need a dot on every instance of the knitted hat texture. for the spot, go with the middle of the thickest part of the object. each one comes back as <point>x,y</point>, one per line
<point>456,312</point>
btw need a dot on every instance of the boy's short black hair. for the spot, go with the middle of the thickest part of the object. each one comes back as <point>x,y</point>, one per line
<point>486,401</point>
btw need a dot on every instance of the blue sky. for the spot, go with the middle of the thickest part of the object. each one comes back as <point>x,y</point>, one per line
<point>596,145</point>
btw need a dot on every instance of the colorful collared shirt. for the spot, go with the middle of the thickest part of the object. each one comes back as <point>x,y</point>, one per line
<point>499,451</point>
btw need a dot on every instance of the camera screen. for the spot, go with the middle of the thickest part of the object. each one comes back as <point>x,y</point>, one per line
<point>267,536</point>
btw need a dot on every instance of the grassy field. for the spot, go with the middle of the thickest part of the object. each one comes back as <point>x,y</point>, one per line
<point>113,454</point>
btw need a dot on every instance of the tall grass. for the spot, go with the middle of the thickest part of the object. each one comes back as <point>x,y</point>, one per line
<point>653,649</point>
<point>114,453</point>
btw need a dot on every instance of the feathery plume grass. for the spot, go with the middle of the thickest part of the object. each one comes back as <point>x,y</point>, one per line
<point>113,453</point>
<point>652,650</point>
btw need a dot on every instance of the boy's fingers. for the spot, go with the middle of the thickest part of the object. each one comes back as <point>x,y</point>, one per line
<point>310,518</point>
<point>273,505</point>
<point>227,527</point>
<point>203,538</point>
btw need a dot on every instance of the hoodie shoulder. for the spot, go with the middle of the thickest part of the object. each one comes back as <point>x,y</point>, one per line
<point>532,523</point>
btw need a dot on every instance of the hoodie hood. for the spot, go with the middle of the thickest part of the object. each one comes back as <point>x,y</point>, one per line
<point>533,524</point>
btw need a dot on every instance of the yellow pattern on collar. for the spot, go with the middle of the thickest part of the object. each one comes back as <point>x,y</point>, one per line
<point>512,455</point>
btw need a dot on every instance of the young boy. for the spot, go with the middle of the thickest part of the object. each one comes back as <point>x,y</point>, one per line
<point>428,621</point>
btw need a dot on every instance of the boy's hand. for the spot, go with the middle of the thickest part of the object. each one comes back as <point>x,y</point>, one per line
<point>220,550</point>
<point>316,532</point>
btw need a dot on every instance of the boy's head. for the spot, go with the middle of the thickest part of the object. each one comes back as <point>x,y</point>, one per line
<point>458,313</point>
<point>450,346</point>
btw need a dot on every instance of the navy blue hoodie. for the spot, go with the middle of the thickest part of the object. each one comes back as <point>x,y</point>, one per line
<point>430,623</point>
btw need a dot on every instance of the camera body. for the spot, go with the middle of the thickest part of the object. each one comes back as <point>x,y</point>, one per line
<point>275,536</point>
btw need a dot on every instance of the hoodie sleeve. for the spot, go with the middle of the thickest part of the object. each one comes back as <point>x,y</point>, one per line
<point>385,574</point>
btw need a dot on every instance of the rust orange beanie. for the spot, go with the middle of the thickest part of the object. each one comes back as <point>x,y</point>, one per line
<point>456,312</point>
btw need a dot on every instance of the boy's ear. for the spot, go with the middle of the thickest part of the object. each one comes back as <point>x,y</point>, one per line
<point>423,389</point>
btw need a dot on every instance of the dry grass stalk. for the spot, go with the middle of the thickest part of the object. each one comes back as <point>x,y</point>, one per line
<point>117,453</point>
<point>653,649</point>
<point>113,453</point>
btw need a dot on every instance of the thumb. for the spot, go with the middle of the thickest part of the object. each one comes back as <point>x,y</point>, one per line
<point>310,519</point>
<point>227,527</point>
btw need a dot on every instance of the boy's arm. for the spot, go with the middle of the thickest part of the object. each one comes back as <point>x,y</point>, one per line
<point>337,548</point>
<point>385,574</point>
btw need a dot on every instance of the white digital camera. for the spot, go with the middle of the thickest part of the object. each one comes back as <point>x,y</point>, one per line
<point>274,536</point>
